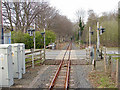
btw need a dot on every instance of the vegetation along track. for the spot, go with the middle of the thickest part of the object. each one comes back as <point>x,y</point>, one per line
<point>62,73</point>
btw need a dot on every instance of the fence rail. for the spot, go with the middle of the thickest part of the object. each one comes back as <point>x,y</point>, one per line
<point>33,58</point>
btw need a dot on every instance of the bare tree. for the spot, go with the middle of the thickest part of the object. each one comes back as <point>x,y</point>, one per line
<point>80,14</point>
<point>23,15</point>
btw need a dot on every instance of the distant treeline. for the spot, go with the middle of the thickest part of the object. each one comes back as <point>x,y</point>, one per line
<point>109,21</point>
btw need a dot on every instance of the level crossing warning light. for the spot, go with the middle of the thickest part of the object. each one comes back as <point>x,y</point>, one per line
<point>102,30</point>
<point>42,33</point>
<point>92,32</point>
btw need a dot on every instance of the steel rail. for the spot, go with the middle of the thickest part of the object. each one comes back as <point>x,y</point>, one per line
<point>68,71</point>
<point>58,70</point>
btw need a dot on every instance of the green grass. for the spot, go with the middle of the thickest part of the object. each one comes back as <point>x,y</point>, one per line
<point>113,54</point>
<point>30,59</point>
<point>104,81</point>
<point>101,80</point>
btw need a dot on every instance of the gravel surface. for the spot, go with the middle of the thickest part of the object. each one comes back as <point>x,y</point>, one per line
<point>45,78</point>
<point>81,76</point>
<point>28,77</point>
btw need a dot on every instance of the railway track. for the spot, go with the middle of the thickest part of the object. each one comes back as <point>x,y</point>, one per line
<point>62,75</point>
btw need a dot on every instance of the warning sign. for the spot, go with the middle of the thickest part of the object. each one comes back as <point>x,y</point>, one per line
<point>1,56</point>
<point>12,53</point>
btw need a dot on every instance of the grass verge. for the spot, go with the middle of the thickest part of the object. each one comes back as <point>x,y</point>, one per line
<point>101,80</point>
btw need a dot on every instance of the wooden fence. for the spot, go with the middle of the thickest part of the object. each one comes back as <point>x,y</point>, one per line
<point>33,58</point>
<point>111,65</point>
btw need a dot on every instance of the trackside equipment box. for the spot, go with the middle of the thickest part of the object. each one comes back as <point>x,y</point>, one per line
<point>16,55</point>
<point>6,66</point>
<point>22,51</point>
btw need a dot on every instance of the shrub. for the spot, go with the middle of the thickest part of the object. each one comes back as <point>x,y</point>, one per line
<point>20,37</point>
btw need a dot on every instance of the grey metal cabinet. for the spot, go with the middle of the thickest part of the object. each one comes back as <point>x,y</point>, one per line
<point>6,66</point>
<point>22,51</point>
<point>16,55</point>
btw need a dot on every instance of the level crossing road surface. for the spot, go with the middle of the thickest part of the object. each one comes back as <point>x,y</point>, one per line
<point>76,53</point>
<point>58,54</point>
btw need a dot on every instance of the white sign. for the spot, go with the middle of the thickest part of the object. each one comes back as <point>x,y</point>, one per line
<point>93,61</point>
<point>1,56</point>
<point>12,53</point>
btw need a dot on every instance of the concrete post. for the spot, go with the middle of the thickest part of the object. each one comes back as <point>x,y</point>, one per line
<point>34,38</point>
<point>98,39</point>
<point>89,36</point>
<point>44,44</point>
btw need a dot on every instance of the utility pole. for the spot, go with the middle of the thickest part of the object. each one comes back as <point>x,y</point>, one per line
<point>89,36</point>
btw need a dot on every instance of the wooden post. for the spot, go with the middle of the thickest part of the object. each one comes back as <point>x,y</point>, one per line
<point>40,55</point>
<point>89,55</point>
<point>118,73</point>
<point>101,53</point>
<point>86,54</point>
<point>117,70</point>
<point>110,65</point>
<point>32,58</point>
<point>94,60</point>
<point>105,68</point>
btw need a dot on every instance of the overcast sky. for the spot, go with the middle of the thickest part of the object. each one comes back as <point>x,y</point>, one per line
<point>69,7</point>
